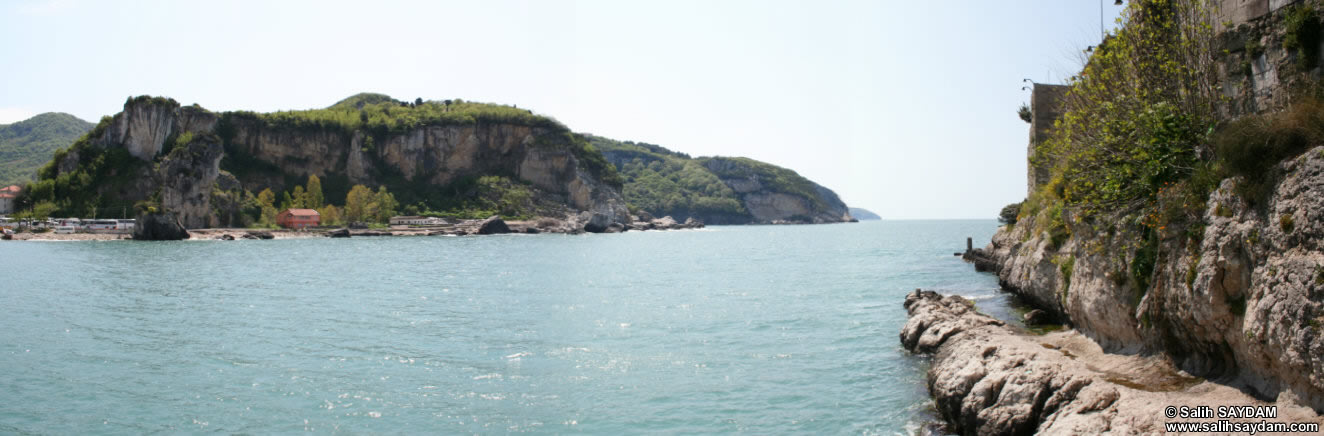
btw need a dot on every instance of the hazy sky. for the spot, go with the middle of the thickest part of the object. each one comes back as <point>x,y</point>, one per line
<point>906,108</point>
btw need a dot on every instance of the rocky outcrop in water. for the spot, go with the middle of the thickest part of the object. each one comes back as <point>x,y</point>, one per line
<point>159,226</point>
<point>1243,302</point>
<point>493,226</point>
<point>989,378</point>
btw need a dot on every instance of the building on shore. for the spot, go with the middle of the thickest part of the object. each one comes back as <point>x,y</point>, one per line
<point>8,195</point>
<point>298,218</point>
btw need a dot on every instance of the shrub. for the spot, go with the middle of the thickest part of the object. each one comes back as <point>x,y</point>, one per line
<point>1253,146</point>
<point>1024,113</point>
<point>1009,213</point>
<point>1286,223</point>
<point>1142,264</point>
<point>1058,232</point>
<point>1066,266</point>
<point>1303,35</point>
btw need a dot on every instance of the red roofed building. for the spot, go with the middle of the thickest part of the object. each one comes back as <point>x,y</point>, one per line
<point>298,218</point>
<point>7,196</point>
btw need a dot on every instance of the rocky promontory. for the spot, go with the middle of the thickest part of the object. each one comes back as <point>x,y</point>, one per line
<point>718,190</point>
<point>991,378</point>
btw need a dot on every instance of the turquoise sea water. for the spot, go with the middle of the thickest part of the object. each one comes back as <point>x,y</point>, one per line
<point>753,329</point>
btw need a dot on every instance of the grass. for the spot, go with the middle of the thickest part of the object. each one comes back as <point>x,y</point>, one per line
<point>1252,147</point>
<point>1286,223</point>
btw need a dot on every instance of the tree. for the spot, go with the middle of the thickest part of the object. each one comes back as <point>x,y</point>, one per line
<point>386,205</point>
<point>315,198</point>
<point>286,201</point>
<point>300,198</point>
<point>418,101</point>
<point>330,215</point>
<point>1009,213</point>
<point>265,200</point>
<point>357,203</point>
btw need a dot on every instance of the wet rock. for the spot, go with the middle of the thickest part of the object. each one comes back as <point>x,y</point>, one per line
<point>338,233</point>
<point>226,237</point>
<point>1038,317</point>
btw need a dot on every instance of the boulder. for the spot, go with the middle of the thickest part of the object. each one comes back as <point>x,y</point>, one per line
<point>161,226</point>
<point>259,235</point>
<point>691,223</point>
<point>493,225</point>
<point>226,237</point>
<point>532,230</point>
<point>614,228</point>
<point>338,233</point>
<point>664,223</point>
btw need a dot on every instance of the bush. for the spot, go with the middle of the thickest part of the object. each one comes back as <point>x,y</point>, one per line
<point>1253,146</point>
<point>1009,213</point>
<point>1024,113</point>
<point>1303,35</point>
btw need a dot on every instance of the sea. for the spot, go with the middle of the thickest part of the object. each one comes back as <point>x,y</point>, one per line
<point>723,330</point>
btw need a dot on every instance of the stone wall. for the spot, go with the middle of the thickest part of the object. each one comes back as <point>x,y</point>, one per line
<point>1256,70</point>
<point>1046,106</point>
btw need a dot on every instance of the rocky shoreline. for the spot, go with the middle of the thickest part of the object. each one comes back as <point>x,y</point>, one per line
<point>490,226</point>
<point>989,378</point>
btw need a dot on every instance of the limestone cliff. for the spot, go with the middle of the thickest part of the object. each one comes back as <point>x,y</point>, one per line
<point>192,160</point>
<point>1243,301</point>
<point>989,377</point>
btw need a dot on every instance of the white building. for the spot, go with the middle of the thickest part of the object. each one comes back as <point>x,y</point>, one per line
<point>416,221</point>
<point>7,197</point>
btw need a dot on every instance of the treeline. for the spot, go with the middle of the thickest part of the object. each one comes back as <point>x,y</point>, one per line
<point>381,115</point>
<point>361,205</point>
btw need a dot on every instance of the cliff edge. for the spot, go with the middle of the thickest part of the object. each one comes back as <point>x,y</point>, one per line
<point>1243,302</point>
<point>201,165</point>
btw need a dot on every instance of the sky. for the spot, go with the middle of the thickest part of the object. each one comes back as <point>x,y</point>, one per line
<point>906,108</point>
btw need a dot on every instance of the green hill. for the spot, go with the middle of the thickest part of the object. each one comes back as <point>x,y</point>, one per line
<point>716,190</point>
<point>27,145</point>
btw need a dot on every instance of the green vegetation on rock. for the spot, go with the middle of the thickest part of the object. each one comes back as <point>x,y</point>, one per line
<point>664,183</point>
<point>713,189</point>
<point>95,171</point>
<point>380,115</point>
<point>26,145</point>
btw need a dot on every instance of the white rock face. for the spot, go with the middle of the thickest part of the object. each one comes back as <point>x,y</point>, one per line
<point>1246,304</point>
<point>438,155</point>
<point>991,379</point>
<point>143,128</point>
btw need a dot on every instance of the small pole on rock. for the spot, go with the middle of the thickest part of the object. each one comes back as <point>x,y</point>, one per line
<point>969,244</point>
